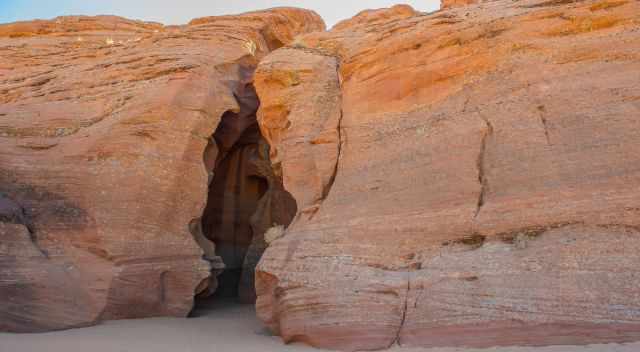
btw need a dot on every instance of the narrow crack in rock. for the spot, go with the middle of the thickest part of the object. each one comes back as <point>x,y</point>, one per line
<point>482,178</point>
<point>543,120</point>
<point>396,340</point>
<point>327,188</point>
<point>34,240</point>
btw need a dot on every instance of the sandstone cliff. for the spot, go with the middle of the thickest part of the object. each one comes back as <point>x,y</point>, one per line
<point>465,177</point>
<point>468,177</point>
<point>103,127</point>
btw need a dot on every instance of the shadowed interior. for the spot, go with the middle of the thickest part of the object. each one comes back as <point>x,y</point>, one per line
<point>245,199</point>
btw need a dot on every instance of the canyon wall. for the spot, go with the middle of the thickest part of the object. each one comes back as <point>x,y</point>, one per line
<point>468,177</point>
<point>104,124</point>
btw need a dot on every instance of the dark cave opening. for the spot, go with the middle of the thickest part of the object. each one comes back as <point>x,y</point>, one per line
<point>246,198</point>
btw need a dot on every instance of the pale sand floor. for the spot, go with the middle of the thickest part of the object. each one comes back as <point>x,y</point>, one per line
<point>221,327</point>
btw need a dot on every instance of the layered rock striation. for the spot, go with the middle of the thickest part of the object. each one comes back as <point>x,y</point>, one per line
<point>104,174</point>
<point>467,177</point>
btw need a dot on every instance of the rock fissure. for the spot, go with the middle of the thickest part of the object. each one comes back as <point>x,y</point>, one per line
<point>403,317</point>
<point>481,167</point>
<point>327,188</point>
<point>545,125</point>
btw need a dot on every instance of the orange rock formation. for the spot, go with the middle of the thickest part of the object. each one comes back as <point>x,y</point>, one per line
<point>464,178</point>
<point>103,128</point>
<point>468,177</point>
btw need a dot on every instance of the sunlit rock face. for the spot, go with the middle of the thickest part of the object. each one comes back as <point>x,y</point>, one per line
<point>447,4</point>
<point>468,177</point>
<point>465,177</point>
<point>104,175</point>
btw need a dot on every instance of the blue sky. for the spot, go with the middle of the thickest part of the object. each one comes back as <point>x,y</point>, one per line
<point>181,11</point>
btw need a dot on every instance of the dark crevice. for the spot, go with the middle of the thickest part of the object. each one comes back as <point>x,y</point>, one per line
<point>327,188</point>
<point>396,340</point>
<point>245,199</point>
<point>482,177</point>
<point>543,120</point>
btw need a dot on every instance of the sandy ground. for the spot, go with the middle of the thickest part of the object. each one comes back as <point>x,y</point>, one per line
<point>219,327</point>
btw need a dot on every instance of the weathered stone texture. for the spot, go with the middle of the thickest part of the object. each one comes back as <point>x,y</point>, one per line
<point>103,128</point>
<point>465,177</point>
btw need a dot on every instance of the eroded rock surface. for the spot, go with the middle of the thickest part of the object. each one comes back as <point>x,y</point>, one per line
<point>447,4</point>
<point>465,177</point>
<point>103,129</point>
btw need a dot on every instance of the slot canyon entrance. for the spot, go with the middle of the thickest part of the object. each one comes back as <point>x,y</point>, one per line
<point>246,198</point>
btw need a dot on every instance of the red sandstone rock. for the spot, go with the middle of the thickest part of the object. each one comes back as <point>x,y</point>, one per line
<point>103,127</point>
<point>447,4</point>
<point>301,121</point>
<point>464,178</point>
